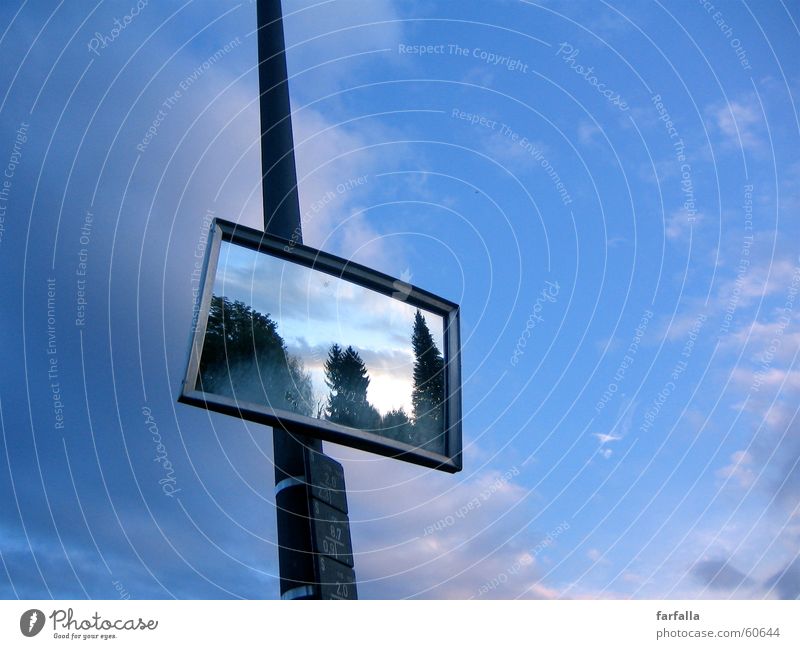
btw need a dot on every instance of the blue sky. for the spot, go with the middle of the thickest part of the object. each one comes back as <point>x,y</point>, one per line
<point>609,191</point>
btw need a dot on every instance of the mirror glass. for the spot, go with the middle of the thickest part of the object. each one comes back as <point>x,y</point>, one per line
<point>292,338</point>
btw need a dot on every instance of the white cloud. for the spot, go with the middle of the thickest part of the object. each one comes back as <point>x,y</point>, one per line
<point>761,280</point>
<point>677,225</point>
<point>738,122</point>
<point>338,167</point>
<point>537,590</point>
<point>605,439</point>
<point>682,325</point>
<point>766,340</point>
<point>773,378</point>
<point>589,133</point>
<point>418,536</point>
<point>595,556</point>
<point>739,470</point>
<point>328,156</point>
<point>319,33</point>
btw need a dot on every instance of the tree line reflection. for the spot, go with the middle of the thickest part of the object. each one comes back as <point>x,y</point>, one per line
<point>244,357</point>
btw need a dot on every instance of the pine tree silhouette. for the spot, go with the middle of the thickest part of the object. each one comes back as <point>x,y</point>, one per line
<point>347,379</point>
<point>428,392</point>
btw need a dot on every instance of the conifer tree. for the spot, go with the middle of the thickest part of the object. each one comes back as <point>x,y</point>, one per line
<point>347,379</point>
<point>428,392</point>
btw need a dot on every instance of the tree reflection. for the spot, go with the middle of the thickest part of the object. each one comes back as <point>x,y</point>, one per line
<point>427,396</point>
<point>244,357</point>
<point>347,379</point>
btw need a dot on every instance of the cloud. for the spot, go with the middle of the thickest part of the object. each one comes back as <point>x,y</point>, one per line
<point>72,567</point>
<point>774,454</point>
<point>677,225</point>
<point>739,469</point>
<point>766,339</point>
<point>421,535</point>
<point>338,169</point>
<point>786,582</point>
<point>719,574</point>
<point>323,32</point>
<point>738,122</point>
<point>589,133</point>
<point>537,590</point>
<point>759,281</point>
<point>763,532</point>
<point>328,156</point>
<point>782,455</point>
<point>605,439</point>
<point>681,325</point>
<point>595,556</point>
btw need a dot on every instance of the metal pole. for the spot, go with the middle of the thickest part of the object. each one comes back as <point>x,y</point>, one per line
<point>282,218</point>
<point>279,176</point>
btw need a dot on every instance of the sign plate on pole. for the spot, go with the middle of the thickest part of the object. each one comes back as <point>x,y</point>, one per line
<point>336,580</point>
<point>331,530</point>
<point>326,478</point>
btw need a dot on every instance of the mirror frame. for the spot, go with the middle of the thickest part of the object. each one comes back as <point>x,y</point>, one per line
<point>368,278</point>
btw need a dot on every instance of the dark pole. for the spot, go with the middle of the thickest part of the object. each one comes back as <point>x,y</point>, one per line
<point>279,176</point>
<point>282,218</point>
